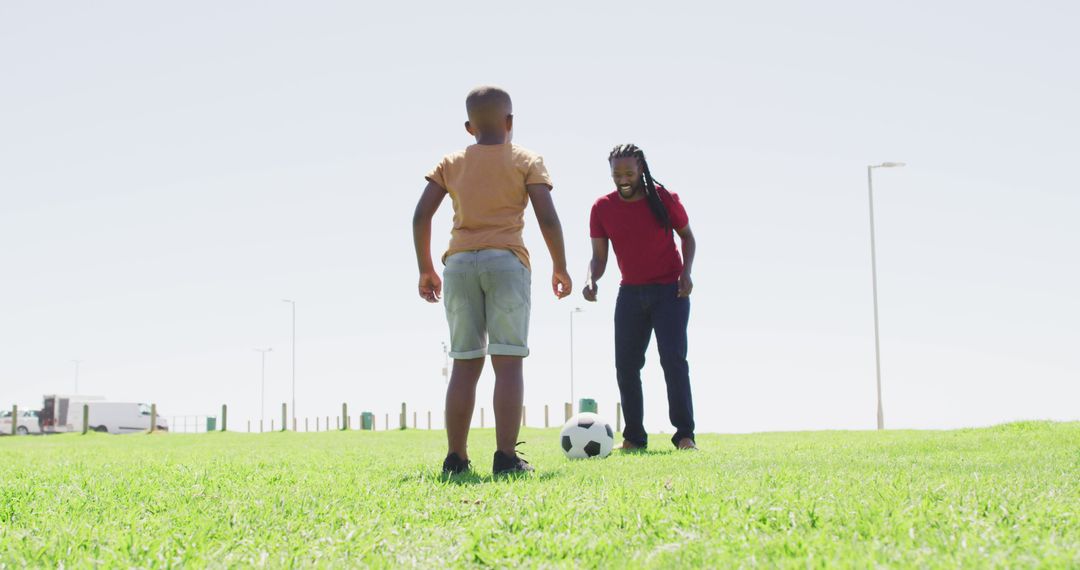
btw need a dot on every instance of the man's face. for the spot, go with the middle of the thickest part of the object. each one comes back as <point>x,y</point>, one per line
<point>626,173</point>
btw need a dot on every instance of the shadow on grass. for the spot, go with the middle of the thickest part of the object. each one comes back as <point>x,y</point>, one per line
<point>474,478</point>
<point>642,452</point>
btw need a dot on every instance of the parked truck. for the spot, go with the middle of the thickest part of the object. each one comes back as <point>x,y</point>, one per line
<point>64,414</point>
<point>59,414</point>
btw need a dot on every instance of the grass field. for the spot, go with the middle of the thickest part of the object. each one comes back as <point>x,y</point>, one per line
<point>1007,496</point>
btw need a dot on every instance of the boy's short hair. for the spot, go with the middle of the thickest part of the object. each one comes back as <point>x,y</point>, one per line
<point>488,107</point>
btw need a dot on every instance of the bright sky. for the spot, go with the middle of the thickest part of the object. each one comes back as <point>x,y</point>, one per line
<point>170,171</point>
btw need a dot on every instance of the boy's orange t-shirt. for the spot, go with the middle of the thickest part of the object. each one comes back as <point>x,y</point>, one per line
<point>487,186</point>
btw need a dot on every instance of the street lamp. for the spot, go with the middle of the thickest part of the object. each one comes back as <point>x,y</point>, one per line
<point>293,303</point>
<point>76,362</point>
<point>572,311</point>
<point>262,394</point>
<point>873,273</point>
<point>445,364</point>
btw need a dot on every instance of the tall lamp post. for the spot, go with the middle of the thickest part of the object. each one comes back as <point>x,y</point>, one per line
<point>293,303</point>
<point>262,393</point>
<point>572,311</point>
<point>445,364</point>
<point>76,363</point>
<point>873,273</point>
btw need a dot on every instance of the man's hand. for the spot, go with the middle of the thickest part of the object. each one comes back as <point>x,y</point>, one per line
<point>589,292</point>
<point>686,285</point>
<point>689,249</point>
<point>430,286</point>
<point>597,265</point>
<point>561,284</point>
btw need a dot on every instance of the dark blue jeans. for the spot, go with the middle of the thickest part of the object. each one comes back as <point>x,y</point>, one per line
<point>640,310</point>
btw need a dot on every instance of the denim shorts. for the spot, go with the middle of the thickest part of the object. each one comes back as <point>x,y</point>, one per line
<point>487,294</point>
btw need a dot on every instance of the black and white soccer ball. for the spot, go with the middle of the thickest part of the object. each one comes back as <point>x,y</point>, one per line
<point>587,435</point>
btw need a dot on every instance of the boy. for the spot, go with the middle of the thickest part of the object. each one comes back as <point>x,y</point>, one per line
<point>487,271</point>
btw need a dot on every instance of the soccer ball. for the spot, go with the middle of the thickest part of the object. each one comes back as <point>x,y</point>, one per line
<point>587,435</point>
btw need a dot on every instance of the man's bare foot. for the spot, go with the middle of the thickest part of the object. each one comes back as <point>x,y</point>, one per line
<point>686,443</point>
<point>631,446</point>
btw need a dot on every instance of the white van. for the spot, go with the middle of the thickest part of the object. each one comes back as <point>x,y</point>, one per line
<point>119,417</point>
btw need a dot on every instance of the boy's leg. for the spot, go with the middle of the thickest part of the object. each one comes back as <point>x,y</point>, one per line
<point>670,318</point>
<point>506,283</point>
<point>633,330</point>
<point>507,290</point>
<point>460,402</point>
<point>509,396</point>
<point>464,300</point>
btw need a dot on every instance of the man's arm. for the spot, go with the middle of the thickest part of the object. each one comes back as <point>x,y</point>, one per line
<point>544,208</point>
<point>689,248</point>
<point>597,266</point>
<point>430,284</point>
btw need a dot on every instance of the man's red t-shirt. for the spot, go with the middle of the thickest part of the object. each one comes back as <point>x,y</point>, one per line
<point>644,248</point>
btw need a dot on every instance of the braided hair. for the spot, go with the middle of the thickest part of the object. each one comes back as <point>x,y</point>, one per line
<point>651,184</point>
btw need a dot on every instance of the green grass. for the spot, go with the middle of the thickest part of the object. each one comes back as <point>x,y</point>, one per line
<point>1007,496</point>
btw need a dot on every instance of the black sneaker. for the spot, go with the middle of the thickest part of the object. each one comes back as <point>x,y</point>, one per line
<point>507,465</point>
<point>454,464</point>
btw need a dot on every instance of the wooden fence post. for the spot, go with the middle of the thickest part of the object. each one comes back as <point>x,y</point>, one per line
<point>249,426</point>
<point>429,420</point>
<point>522,416</point>
<point>271,424</point>
<point>284,416</point>
<point>344,416</point>
<point>224,417</point>
<point>618,416</point>
<point>14,420</point>
<point>85,418</point>
<point>306,425</point>
<point>402,422</point>
<point>569,411</point>
<point>294,423</point>
<point>260,426</point>
<point>481,417</point>
<point>546,424</point>
<point>153,418</point>
<point>386,422</point>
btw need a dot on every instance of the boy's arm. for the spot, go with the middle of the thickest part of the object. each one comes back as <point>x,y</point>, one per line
<point>544,208</point>
<point>430,284</point>
<point>596,267</point>
<point>689,248</point>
